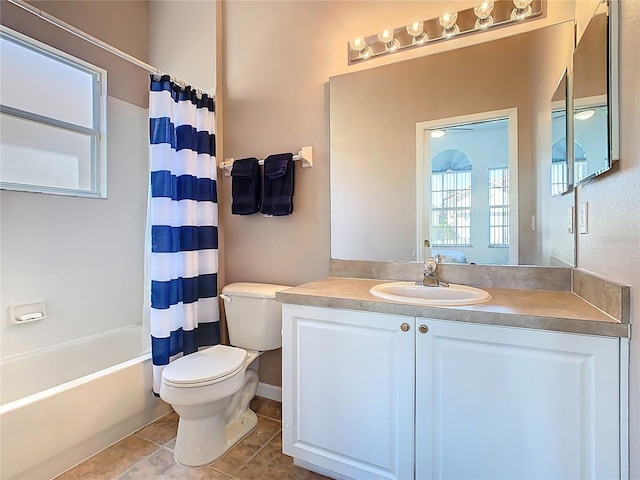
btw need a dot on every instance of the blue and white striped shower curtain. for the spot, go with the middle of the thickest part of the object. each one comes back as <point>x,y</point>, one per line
<point>183,210</point>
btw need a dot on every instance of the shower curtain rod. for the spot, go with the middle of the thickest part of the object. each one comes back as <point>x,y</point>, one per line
<point>97,42</point>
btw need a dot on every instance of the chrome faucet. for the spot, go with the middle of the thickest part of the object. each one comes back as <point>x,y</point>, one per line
<point>430,276</point>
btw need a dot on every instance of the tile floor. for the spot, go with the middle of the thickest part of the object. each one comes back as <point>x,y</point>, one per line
<point>148,454</point>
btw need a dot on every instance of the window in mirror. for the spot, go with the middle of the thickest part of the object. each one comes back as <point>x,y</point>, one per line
<point>499,207</point>
<point>559,172</point>
<point>468,168</point>
<point>450,207</point>
<point>53,120</point>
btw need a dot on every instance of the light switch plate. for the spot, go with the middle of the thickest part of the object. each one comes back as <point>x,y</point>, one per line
<point>583,218</point>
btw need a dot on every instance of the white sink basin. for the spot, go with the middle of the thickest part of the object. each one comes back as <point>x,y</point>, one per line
<point>409,292</point>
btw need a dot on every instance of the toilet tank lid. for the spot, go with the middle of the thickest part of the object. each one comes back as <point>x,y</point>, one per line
<point>256,290</point>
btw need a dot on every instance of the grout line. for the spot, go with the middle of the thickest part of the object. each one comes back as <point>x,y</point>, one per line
<point>251,457</point>
<point>142,460</point>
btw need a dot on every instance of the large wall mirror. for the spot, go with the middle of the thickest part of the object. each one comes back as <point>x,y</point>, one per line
<point>384,130</point>
<point>595,96</point>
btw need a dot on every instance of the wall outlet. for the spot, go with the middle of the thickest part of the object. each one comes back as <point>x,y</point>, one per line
<point>583,218</point>
<point>570,223</point>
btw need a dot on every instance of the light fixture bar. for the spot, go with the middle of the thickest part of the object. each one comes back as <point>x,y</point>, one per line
<point>504,13</point>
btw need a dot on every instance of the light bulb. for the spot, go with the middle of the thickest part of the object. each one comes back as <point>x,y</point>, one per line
<point>521,4</point>
<point>522,10</point>
<point>387,36</point>
<point>416,30</point>
<point>448,19</point>
<point>483,10</point>
<point>437,133</point>
<point>359,44</point>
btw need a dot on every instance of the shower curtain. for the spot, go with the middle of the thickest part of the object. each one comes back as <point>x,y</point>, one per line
<point>183,219</point>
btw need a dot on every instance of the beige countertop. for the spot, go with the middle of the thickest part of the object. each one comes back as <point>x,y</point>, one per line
<point>539,309</point>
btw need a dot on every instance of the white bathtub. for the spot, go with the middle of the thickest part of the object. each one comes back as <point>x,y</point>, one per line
<point>66,403</point>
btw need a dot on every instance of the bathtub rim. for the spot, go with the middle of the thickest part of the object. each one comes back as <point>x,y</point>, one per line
<point>50,392</point>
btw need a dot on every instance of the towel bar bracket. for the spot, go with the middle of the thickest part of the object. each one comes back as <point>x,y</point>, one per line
<point>305,156</point>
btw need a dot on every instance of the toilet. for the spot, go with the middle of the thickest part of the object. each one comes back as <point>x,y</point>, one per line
<point>210,390</point>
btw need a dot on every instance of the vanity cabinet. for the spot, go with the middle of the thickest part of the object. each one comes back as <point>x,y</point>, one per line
<point>501,402</point>
<point>380,396</point>
<point>347,391</point>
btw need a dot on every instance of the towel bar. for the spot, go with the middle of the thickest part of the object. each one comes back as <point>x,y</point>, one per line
<point>305,156</point>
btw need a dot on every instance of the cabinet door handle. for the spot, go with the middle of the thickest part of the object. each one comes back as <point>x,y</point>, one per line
<point>423,329</point>
<point>405,327</point>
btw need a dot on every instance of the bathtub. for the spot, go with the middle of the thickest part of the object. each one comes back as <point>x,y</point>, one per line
<point>61,405</point>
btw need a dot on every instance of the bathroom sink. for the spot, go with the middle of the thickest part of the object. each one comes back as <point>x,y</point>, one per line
<point>410,292</point>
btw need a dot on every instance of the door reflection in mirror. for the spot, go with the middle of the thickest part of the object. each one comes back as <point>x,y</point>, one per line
<point>467,177</point>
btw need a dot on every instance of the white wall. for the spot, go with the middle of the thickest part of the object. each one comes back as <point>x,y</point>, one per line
<point>612,246</point>
<point>82,256</point>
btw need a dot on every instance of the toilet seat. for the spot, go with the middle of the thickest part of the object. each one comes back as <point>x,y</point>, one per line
<point>206,367</point>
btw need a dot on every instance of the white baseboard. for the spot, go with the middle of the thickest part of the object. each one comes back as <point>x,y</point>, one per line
<point>269,391</point>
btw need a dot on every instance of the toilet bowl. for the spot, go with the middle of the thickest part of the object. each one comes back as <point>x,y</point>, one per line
<point>211,389</point>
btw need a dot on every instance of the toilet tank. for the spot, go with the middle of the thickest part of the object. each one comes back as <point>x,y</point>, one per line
<point>254,316</point>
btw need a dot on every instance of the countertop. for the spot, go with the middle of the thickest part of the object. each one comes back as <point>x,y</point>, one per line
<point>538,309</point>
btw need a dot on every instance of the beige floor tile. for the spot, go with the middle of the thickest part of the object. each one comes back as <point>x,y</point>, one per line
<point>267,408</point>
<point>113,461</point>
<point>271,464</point>
<point>247,447</point>
<point>161,431</point>
<point>180,472</point>
<point>151,467</point>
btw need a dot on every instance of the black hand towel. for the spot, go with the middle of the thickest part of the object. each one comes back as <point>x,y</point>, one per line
<point>278,184</point>
<point>245,186</point>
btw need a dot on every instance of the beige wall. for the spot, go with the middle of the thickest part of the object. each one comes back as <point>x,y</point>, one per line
<point>122,24</point>
<point>612,246</point>
<point>125,81</point>
<point>277,59</point>
<point>182,40</point>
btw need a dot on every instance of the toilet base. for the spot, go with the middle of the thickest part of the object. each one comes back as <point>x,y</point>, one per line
<point>200,442</point>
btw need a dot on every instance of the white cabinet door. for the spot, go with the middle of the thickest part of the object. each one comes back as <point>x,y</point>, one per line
<point>508,403</point>
<point>348,391</point>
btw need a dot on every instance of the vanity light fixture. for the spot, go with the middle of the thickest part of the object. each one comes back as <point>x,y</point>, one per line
<point>437,133</point>
<point>448,21</point>
<point>418,32</point>
<point>483,12</point>
<point>585,114</point>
